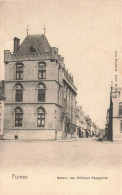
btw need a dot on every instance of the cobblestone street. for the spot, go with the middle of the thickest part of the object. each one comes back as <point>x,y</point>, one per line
<point>42,162</point>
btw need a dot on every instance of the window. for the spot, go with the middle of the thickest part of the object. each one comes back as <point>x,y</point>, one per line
<point>121,126</point>
<point>0,108</point>
<point>41,71</point>
<point>19,71</point>
<point>41,117</point>
<point>18,117</point>
<point>120,109</point>
<point>19,93</point>
<point>64,92</point>
<point>41,92</point>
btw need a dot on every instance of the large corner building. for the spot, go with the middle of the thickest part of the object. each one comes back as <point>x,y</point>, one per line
<point>40,93</point>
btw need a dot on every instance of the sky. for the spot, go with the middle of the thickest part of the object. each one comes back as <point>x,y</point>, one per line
<point>87,34</point>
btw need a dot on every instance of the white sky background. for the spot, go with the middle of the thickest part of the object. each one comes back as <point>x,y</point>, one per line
<point>87,33</point>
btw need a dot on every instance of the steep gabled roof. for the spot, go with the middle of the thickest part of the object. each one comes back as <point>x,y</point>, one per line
<point>34,43</point>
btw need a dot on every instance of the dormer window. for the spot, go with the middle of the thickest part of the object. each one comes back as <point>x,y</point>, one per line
<point>31,49</point>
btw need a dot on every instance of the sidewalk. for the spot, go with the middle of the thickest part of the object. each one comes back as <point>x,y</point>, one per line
<point>38,140</point>
<point>106,141</point>
<point>66,140</point>
<point>111,142</point>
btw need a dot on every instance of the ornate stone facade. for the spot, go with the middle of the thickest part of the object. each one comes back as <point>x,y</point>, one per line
<point>36,79</point>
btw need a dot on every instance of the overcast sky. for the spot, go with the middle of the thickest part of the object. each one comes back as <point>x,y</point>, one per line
<point>87,33</point>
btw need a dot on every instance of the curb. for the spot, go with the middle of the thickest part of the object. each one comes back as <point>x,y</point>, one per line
<point>66,140</point>
<point>13,140</point>
<point>110,142</point>
<point>52,140</point>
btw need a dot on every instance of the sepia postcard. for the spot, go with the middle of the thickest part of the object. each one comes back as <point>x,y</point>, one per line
<point>60,97</point>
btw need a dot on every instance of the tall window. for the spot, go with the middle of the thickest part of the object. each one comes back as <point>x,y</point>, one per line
<point>121,126</point>
<point>19,93</point>
<point>18,117</point>
<point>41,117</point>
<point>19,72</point>
<point>42,71</point>
<point>120,109</point>
<point>41,92</point>
<point>64,91</point>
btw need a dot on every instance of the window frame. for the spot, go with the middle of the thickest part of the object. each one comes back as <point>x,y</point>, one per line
<point>18,117</point>
<point>19,93</point>
<point>120,126</point>
<point>120,109</point>
<point>41,70</point>
<point>41,92</point>
<point>19,71</point>
<point>41,117</point>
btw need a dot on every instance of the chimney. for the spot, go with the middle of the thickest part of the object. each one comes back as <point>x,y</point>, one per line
<point>16,44</point>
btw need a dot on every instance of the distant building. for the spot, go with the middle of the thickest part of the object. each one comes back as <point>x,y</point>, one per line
<point>92,129</point>
<point>114,115</point>
<point>88,126</point>
<point>80,123</point>
<point>2,99</point>
<point>107,123</point>
<point>40,93</point>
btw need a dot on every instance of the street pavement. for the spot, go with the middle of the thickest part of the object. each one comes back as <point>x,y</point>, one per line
<point>85,152</point>
<point>86,165</point>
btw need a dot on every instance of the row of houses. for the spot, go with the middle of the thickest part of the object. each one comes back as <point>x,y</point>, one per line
<point>85,127</point>
<point>40,94</point>
<point>113,127</point>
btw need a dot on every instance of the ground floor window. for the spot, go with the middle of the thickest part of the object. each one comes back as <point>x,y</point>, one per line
<point>121,126</point>
<point>18,117</point>
<point>41,117</point>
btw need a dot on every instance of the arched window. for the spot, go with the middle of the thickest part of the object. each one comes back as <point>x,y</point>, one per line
<point>19,93</point>
<point>120,109</point>
<point>41,117</point>
<point>41,92</point>
<point>42,70</point>
<point>18,117</point>
<point>19,71</point>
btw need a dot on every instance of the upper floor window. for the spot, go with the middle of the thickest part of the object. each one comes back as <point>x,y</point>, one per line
<point>41,117</point>
<point>41,70</point>
<point>18,117</point>
<point>120,109</point>
<point>64,91</point>
<point>19,72</point>
<point>41,92</point>
<point>19,93</point>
